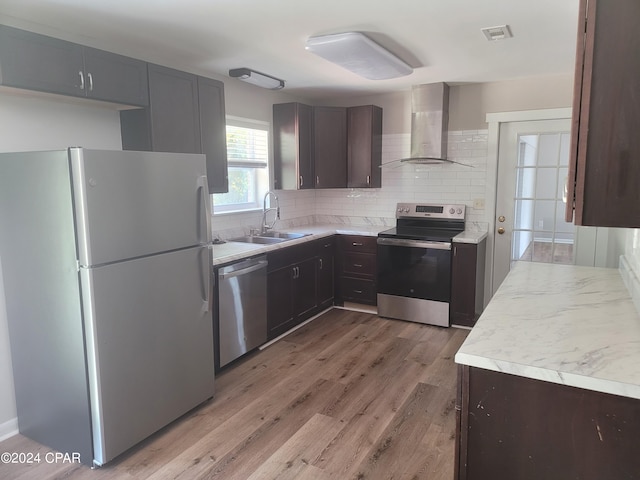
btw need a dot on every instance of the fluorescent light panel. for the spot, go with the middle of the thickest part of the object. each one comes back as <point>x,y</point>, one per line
<point>256,78</point>
<point>359,54</point>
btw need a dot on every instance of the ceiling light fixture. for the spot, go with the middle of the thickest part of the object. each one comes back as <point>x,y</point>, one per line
<point>497,33</point>
<point>358,53</point>
<point>256,78</point>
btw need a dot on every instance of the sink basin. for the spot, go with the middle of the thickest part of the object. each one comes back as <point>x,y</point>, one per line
<point>256,239</point>
<point>269,238</point>
<point>283,235</point>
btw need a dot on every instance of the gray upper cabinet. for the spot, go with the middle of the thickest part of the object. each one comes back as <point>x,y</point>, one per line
<point>186,114</point>
<point>330,146</point>
<point>213,132</point>
<point>292,139</point>
<point>364,146</point>
<point>115,78</point>
<point>37,62</point>
<point>173,109</point>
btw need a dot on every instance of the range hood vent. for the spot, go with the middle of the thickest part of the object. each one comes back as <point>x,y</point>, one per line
<point>429,125</point>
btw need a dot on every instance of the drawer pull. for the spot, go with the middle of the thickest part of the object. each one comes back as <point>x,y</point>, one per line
<point>359,292</point>
<point>357,265</point>
<point>357,244</point>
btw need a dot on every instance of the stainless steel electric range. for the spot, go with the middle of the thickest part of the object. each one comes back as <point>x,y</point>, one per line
<point>414,262</point>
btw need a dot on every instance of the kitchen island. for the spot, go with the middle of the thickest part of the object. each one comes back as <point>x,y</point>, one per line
<point>550,379</point>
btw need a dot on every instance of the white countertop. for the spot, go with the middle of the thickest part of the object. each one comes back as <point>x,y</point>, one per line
<point>232,251</point>
<point>564,324</point>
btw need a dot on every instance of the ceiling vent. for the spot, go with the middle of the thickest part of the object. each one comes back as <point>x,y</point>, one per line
<point>497,33</point>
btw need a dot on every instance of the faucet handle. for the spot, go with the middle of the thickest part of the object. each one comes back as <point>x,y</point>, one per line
<point>254,231</point>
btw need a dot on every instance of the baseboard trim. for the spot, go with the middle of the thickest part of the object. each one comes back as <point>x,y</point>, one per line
<point>8,429</point>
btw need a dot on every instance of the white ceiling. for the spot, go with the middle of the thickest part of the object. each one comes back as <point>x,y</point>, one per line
<point>441,39</point>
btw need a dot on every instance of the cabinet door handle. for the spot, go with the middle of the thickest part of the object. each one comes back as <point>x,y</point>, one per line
<point>90,78</point>
<point>81,73</point>
<point>317,180</point>
<point>301,181</point>
<point>368,179</point>
<point>320,261</point>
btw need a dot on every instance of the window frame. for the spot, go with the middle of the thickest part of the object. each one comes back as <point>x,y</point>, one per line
<point>253,124</point>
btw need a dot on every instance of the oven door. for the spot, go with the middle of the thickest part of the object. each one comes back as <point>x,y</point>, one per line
<point>414,280</point>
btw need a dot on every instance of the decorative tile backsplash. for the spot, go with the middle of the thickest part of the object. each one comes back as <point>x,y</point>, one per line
<point>450,183</point>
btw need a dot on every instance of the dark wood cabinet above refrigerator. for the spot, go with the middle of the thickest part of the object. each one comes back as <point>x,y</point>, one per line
<point>40,63</point>
<point>186,114</point>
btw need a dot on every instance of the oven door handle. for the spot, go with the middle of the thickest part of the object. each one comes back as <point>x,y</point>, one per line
<point>400,242</point>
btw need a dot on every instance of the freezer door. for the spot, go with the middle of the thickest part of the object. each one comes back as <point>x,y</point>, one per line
<point>149,344</point>
<point>130,204</point>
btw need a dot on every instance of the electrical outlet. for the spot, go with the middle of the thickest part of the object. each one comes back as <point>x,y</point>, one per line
<point>478,203</point>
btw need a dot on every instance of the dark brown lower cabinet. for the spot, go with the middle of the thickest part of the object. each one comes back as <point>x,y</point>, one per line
<point>467,283</point>
<point>326,271</point>
<point>516,428</point>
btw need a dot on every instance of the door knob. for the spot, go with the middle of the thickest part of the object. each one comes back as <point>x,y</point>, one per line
<point>501,218</point>
<point>501,230</point>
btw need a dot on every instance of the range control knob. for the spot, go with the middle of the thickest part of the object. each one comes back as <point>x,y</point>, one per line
<point>452,211</point>
<point>459,211</point>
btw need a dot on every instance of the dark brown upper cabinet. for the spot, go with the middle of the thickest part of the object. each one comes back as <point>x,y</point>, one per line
<point>292,132</point>
<point>186,114</point>
<point>604,168</point>
<point>330,146</point>
<point>36,62</point>
<point>364,146</point>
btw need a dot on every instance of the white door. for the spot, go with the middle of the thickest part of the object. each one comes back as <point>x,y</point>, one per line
<point>532,170</point>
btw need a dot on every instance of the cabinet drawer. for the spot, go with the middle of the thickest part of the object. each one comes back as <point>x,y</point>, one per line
<point>358,290</point>
<point>358,264</point>
<point>290,255</point>
<point>358,243</point>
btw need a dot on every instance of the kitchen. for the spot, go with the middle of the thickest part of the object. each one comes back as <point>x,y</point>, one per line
<point>62,123</point>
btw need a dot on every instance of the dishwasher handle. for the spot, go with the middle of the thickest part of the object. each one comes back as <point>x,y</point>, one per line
<point>259,265</point>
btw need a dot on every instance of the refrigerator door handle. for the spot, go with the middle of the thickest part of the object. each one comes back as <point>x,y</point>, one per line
<point>207,297</point>
<point>203,187</point>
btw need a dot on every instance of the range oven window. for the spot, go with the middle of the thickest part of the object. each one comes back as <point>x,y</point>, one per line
<point>415,272</point>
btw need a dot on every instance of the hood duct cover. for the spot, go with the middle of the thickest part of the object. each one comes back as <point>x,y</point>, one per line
<point>429,123</point>
<point>429,126</point>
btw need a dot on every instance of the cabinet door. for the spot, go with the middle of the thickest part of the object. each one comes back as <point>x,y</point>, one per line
<point>364,146</point>
<point>463,285</point>
<point>330,146</point>
<point>325,272</point>
<point>304,294</point>
<point>280,314</point>
<point>293,167</point>
<point>605,164</point>
<point>115,78</point>
<point>174,115</point>
<point>37,62</point>
<point>213,133</point>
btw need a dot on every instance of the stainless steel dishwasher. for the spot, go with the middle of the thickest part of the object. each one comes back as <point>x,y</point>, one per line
<point>242,307</point>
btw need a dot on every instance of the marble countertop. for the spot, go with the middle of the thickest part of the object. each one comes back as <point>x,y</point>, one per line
<point>564,324</point>
<point>233,251</point>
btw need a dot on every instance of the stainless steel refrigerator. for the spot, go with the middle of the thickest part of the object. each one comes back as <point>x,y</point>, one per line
<point>107,272</point>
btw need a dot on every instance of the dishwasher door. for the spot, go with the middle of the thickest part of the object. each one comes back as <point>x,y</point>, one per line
<point>242,303</point>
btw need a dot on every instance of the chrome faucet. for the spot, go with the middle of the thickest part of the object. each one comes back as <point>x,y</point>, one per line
<point>265,210</point>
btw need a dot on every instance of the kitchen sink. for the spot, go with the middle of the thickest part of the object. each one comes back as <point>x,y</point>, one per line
<point>269,238</point>
<point>257,239</point>
<point>283,235</point>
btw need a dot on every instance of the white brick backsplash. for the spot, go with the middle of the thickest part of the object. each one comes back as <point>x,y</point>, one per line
<point>405,183</point>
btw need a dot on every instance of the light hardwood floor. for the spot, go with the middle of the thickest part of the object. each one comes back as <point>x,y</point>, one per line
<point>348,396</point>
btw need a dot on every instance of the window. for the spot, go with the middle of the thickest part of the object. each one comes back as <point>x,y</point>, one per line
<point>248,157</point>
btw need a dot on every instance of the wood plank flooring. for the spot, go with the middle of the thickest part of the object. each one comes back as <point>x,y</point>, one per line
<point>348,396</point>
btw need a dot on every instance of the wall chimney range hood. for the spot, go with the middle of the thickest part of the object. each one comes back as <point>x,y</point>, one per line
<point>429,125</point>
